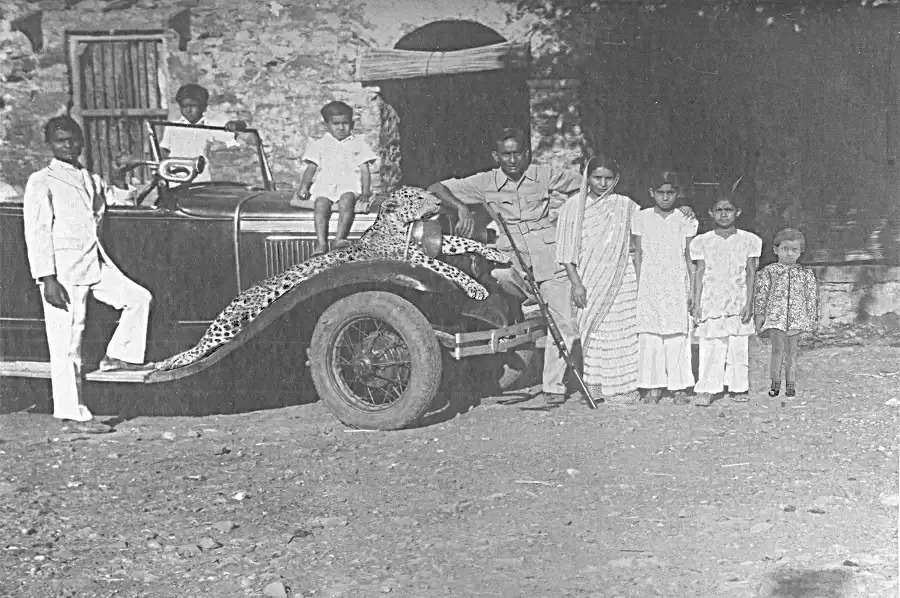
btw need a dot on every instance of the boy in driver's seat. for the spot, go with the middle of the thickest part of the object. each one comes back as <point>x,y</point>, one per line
<point>184,142</point>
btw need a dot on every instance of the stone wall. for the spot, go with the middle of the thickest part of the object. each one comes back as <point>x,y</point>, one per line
<point>849,294</point>
<point>275,64</point>
<point>271,63</point>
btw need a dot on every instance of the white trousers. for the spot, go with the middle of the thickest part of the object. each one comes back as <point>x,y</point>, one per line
<point>664,361</point>
<point>724,362</point>
<point>65,329</point>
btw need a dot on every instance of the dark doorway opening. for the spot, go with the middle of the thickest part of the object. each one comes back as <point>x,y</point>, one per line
<point>447,122</point>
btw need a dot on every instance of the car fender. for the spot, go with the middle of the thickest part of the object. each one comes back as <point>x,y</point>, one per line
<point>384,273</point>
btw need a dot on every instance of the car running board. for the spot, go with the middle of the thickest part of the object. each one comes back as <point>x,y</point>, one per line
<point>41,369</point>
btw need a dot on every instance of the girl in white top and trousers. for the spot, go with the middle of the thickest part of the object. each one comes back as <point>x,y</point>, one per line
<point>726,260</point>
<point>661,236</point>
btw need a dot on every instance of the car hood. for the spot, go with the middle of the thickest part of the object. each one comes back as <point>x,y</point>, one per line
<point>221,202</point>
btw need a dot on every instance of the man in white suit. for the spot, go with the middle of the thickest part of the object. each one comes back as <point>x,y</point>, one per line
<point>63,207</point>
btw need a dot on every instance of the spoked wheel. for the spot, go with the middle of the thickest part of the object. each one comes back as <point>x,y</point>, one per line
<point>376,362</point>
<point>371,363</point>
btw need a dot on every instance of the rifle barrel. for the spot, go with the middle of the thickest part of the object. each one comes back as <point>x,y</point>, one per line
<point>555,333</point>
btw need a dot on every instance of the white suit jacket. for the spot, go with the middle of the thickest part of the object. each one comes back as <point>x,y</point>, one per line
<point>63,207</point>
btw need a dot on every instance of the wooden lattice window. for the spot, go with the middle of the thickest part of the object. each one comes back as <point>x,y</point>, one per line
<point>119,82</point>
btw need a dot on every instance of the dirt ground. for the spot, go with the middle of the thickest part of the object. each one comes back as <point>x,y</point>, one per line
<point>771,498</point>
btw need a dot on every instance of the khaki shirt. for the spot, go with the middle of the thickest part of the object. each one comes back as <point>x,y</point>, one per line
<point>530,206</point>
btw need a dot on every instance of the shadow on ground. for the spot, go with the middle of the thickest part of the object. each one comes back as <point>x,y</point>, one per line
<point>807,583</point>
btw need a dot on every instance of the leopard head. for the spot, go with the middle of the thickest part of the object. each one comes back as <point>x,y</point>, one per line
<point>405,205</point>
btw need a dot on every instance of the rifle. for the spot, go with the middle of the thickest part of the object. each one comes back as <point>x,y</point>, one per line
<point>555,334</point>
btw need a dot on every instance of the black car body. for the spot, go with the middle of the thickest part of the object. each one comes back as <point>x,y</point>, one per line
<point>197,245</point>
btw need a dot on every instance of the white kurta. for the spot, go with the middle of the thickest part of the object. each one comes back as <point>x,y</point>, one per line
<point>723,337</point>
<point>724,282</point>
<point>663,286</point>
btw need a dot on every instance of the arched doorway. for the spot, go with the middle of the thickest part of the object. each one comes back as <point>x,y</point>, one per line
<point>446,122</point>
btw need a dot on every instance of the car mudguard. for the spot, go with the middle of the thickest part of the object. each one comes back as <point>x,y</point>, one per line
<point>381,273</point>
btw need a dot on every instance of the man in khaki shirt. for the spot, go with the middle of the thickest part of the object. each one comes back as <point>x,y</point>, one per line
<point>528,196</point>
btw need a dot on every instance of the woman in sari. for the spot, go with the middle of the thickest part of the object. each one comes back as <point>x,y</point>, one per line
<point>593,243</point>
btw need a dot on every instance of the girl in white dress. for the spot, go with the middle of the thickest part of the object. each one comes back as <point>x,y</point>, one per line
<point>726,259</point>
<point>661,236</point>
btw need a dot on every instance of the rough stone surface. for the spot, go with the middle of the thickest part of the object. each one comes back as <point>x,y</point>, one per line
<point>273,64</point>
<point>668,500</point>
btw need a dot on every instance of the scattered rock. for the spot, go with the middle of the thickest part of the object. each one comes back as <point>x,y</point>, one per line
<point>299,533</point>
<point>889,500</point>
<point>187,551</point>
<point>276,589</point>
<point>224,527</point>
<point>207,543</point>
<point>866,560</point>
<point>327,522</point>
<point>760,528</point>
<point>239,496</point>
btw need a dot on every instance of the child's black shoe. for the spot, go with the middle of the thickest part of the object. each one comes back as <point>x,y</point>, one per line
<point>790,390</point>
<point>775,389</point>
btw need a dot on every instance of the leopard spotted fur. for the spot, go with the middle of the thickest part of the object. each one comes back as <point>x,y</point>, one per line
<point>386,239</point>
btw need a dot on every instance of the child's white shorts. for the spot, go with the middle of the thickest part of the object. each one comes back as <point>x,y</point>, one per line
<point>332,191</point>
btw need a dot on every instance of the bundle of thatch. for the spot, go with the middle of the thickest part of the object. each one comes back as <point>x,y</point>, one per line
<point>379,64</point>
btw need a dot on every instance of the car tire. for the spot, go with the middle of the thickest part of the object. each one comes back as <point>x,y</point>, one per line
<point>351,343</point>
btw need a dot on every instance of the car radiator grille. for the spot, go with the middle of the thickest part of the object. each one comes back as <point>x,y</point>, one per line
<point>282,252</point>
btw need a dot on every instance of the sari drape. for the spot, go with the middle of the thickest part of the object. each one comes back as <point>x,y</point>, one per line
<point>594,233</point>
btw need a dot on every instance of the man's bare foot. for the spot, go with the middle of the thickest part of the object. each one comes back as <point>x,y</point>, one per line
<point>112,364</point>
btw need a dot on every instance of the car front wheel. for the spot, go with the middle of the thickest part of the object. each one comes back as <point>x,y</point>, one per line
<point>375,360</point>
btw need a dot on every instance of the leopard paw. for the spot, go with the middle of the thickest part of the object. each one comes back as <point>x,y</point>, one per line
<point>476,291</point>
<point>496,256</point>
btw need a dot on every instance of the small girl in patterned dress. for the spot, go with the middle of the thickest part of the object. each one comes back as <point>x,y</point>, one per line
<point>786,305</point>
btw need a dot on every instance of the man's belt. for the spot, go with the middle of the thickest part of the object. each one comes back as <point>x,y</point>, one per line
<point>523,228</point>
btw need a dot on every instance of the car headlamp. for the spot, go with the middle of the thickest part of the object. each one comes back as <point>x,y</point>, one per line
<point>181,170</point>
<point>427,236</point>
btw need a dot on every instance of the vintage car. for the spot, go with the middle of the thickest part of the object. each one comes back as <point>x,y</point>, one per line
<point>382,331</point>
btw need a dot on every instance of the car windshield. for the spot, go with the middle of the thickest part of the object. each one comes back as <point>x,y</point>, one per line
<point>229,157</point>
